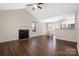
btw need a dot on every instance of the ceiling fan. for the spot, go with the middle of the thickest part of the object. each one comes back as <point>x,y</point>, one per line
<point>35,5</point>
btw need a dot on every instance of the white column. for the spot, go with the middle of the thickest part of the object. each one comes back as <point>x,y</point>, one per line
<point>77,29</point>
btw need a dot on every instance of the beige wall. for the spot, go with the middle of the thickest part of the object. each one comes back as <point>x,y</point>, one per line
<point>77,26</point>
<point>13,20</point>
<point>69,35</point>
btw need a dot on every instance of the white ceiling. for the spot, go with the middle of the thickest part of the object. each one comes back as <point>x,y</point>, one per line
<point>9,6</point>
<point>49,9</point>
<point>59,18</point>
<point>53,9</point>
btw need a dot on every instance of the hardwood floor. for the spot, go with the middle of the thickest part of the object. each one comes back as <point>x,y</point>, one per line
<point>38,46</point>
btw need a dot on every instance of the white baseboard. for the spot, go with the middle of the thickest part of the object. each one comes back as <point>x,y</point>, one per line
<point>66,39</point>
<point>7,40</point>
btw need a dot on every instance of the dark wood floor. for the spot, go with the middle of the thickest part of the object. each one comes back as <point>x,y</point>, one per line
<point>38,46</point>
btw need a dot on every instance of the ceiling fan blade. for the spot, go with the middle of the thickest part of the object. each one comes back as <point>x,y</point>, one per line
<point>33,8</point>
<point>39,7</point>
<point>40,3</point>
<point>29,5</point>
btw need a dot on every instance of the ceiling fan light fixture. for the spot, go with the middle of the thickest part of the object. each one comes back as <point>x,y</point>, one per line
<point>35,6</point>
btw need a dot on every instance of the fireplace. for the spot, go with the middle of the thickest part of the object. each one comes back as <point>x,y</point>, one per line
<point>23,33</point>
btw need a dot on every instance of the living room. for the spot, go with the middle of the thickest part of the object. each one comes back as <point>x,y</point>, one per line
<point>39,29</point>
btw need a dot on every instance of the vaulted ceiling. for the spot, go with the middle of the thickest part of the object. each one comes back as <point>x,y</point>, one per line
<point>48,10</point>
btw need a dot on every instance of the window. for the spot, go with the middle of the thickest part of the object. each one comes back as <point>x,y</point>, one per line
<point>33,26</point>
<point>52,27</point>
